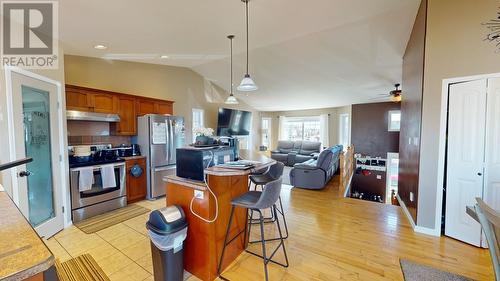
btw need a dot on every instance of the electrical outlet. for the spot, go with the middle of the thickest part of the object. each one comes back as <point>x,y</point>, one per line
<point>379,177</point>
<point>198,194</point>
<point>412,197</point>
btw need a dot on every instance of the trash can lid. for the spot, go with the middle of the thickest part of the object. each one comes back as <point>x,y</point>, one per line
<point>167,220</point>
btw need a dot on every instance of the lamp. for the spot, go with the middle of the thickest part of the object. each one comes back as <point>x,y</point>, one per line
<point>231,99</point>
<point>247,84</point>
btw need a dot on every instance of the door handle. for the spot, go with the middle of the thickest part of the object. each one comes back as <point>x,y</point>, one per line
<point>24,174</point>
<point>479,174</point>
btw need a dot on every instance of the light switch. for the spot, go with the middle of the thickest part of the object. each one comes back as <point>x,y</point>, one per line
<point>412,197</point>
<point>379,177</point>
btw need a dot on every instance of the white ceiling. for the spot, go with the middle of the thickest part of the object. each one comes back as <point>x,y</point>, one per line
<point>304,54</point>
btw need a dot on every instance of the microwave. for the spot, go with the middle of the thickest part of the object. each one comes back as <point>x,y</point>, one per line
<point>192,162</point>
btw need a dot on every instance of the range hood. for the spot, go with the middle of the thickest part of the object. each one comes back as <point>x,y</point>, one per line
<point>91,116</point>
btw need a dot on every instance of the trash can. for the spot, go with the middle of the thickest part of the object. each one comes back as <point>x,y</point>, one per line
<point>167,229</point>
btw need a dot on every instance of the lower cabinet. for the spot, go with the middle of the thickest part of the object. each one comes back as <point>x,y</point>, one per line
<point>136,183</point>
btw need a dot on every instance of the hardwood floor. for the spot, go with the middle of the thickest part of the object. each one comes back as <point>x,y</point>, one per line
<point>333,238</point>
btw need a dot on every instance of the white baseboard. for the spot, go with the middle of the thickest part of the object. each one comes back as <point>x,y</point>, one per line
<point>416,228</point>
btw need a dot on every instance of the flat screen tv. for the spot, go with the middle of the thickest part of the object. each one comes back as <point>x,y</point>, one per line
<point>233,122</point>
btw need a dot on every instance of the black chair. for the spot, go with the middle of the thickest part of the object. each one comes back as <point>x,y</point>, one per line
<point>255,201</point>
<point>275,172</point>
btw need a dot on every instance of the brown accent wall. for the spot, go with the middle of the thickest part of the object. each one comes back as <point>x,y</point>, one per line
<point>370,136</point>
<point>369,129</point>
<point>411,112</point>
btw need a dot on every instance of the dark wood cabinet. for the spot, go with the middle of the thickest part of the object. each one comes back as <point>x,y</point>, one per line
<point>128,118</point>
<point>136,186</point>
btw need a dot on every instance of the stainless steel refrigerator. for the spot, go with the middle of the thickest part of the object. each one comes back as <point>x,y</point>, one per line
<point>159,136</point>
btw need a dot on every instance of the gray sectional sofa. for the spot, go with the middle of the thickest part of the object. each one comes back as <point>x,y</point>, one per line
<point>316,173</point>
<point>293,152</point>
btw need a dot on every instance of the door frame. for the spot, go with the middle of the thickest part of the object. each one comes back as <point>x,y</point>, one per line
<point>63,163</point>
<point>443,125</point>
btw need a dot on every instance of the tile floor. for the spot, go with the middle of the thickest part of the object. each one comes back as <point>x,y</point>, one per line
<point>123,250</point>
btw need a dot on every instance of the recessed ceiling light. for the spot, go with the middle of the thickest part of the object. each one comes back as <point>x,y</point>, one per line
<point>100,47</point>
<point>164,57</point>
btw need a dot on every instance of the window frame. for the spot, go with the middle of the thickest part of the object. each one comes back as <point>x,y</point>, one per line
<point>390,128</point>
<point>194,111</point>
<point>269,131</point>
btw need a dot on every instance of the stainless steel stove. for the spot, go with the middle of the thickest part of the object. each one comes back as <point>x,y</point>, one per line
<point>89,202</point>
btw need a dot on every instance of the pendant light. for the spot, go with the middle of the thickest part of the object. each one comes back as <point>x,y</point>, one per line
<point>231,99</point>
<point>247,84</point>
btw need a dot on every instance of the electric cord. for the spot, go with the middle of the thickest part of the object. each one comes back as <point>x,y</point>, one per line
<point>212,193</point>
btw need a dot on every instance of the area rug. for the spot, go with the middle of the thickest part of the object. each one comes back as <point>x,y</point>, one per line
<point>81,268</point>
<point>286,175</point>
<point>106,220</point>
<point>417,272</point>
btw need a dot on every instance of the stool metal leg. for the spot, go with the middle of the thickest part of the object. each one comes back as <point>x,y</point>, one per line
<point>282,212</point>
<point>261,217</point>
<point>282,243</point>
<point>263,240</point>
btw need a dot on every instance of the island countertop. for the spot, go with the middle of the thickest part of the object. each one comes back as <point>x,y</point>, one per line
<point>22,252</point>
<point>265,162</point>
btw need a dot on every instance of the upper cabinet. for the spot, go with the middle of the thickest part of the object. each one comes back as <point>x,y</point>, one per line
<point>77,99</point>
<point>128,107</point>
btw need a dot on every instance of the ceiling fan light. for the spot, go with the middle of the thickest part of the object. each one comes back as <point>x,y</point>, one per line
<point>396,98</point>
<point>231,100</point>
<point>247,84</point>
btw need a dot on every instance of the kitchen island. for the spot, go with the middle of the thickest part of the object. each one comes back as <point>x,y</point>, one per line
<point>205,240</point>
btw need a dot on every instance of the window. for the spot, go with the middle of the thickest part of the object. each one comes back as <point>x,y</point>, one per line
<point>394,120</point>
<point>302,128</point>
<point>265,127</point>
<point>344,126</point>
<point>198,120</point>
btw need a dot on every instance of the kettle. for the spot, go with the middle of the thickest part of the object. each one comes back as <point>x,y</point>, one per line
<point>136,150</point>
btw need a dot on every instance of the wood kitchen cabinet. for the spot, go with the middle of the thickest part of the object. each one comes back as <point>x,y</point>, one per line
<point>136,186</point>
<point>163,108</point>
<point>77,99</point>
<point>128,117</point>
<point>86,99</point>
<point>104,103</point>
<point>145,106</point>
<point>128,107</point>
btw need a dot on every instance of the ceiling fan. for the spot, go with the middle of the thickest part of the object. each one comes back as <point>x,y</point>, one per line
<point>394,95</point>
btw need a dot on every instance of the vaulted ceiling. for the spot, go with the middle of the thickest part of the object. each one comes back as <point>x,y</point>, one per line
<point>303,54</point>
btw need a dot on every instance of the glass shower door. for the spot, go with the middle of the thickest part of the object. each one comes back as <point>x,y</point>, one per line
<point>36,113</point>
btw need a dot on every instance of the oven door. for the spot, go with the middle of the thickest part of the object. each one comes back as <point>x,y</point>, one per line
<point>97,193</point>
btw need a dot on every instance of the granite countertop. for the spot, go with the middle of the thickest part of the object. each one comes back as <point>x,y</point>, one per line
<point>22,252</point>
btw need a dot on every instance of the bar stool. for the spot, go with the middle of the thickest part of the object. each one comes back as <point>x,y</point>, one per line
<point>255,201</point>
<point>275,172</point>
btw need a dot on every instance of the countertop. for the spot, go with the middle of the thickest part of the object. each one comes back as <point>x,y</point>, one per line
<point>22,252</point>
<point>265,162</point>
<point>133,157</point>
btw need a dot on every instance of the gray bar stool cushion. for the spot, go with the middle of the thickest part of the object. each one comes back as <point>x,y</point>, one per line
<point>260,199</point>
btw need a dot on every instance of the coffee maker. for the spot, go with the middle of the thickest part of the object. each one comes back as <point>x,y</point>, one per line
<point>136,150</point>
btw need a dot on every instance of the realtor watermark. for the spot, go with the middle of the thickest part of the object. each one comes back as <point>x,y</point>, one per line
<point>29,34</point>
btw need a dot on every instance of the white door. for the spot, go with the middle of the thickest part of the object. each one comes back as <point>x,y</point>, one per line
<point>35,127</point>
<point>492,155</point>
<point>465,158</point>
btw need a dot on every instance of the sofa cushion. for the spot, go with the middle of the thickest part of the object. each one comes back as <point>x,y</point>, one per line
<point>324,159</point>
<point>296,146</point>
<point>309,147</point>
<point>285,146</point>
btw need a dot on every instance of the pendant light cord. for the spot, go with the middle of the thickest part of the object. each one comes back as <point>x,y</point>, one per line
<point>246,15</point>
<point>231,62</point>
